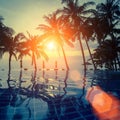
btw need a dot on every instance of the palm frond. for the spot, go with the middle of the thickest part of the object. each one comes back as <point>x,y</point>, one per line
<point>19,37</point>
<point>44,55</point>
<point>69,43</point>
<point>115,30</point>
<point>2,51</point>
<point>49,19</point>
<point>90,11</point>
<point>1,19</point>
<point>44,27</point>
<point>14,54</point>
<point>85,5</point>
<point>29,35</point>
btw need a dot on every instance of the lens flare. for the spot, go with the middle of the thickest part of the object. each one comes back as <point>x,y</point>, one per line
<point>105,106</point>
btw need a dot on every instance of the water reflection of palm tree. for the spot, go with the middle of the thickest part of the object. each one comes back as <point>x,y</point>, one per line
<point>34,81</point>
<point>65,82</point>
<point>84,85</point>
<point>54,31</point>
<point>58,98</point>
<point>5,97</point>
<point>10,99</point>
<point>19,103</point>
<point>54,101</point>
<point>20,79</point>
<point>4,103</point>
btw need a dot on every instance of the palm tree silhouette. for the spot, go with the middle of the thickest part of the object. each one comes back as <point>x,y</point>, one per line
<point>88,34</point>
<point>106,26</point>
<point>5,35</point>
<point>34,45</point>
<point>54,30</point>
<point>1,28</point>
<point>22,50</point>
<point>9,45</point>
<point>107,19</point>
<point>107,54</point>
<point>1,35</point>
<point>12,47</point>
<point>76,15</point>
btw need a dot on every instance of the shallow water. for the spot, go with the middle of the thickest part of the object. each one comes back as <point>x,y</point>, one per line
<point>59,94</point>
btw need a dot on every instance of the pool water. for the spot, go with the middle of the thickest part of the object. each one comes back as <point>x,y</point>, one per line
<point>60,95</point>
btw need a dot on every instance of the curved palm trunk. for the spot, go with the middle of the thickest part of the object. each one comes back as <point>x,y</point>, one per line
<point>112,65</point>
<point>20,76</point>
<point>65,58</point>
<point>90,54</point>
<point>34,61</point>
<point>34,81</point>
<point>118,62</point>
<point>115,64</point>
<point>84,85</point>
<point>9,69</point>
<point>21,63</point>
<point>83,55</point>
<point>43,65</point>
<point>65,82</point>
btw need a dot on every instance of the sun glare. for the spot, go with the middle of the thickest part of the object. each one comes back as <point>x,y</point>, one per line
<point>50,45</point>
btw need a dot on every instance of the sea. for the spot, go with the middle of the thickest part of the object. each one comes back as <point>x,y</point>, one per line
<point>54,93</point>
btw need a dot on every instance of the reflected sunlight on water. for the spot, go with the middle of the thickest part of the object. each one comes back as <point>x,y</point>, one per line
<point>74,75</point>
<point>58,92</point>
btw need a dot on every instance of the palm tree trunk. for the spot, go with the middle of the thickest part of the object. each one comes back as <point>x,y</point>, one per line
<point>115,64</point>
<point>83,55</point>
<point>34,61</point>
<point>118,62</point>
<point>112,64</point>
<point>90,54</point>
<point>20,78</point>
<point>84,85</point>
<point>9,69</point>
<point>21,63</point>
<point>65,82</point>
<point>65,58</point>
<point>43,64</point>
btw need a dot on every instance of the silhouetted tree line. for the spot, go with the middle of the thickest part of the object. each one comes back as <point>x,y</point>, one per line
<point>86,22</point>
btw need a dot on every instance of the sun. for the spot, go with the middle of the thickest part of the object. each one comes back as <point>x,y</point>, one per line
<point>50,45</point>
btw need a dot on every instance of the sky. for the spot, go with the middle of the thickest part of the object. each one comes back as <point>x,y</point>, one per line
<point>26,15</point>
